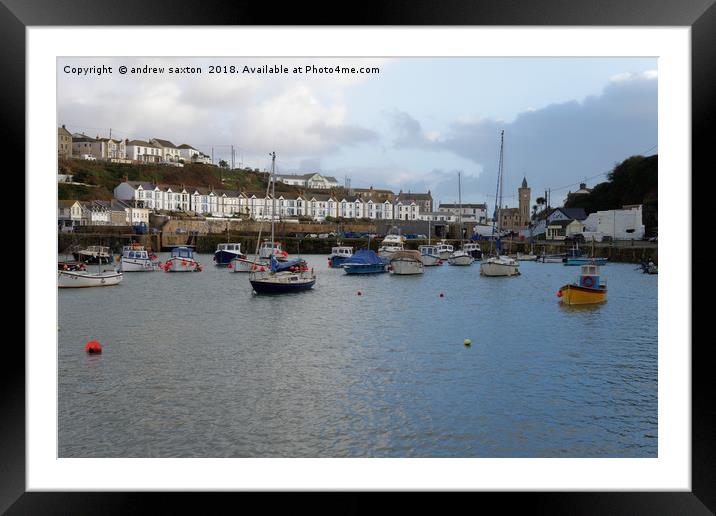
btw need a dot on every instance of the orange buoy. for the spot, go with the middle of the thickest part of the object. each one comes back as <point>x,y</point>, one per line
<point>93,347</point>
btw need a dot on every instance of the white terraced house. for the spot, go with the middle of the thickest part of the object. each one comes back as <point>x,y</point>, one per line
<point>191,155</point>
<point>257,205</point>
<point>169,152</point>
<point>143,152</point>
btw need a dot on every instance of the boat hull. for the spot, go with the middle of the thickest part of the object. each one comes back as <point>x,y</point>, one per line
<point>465,259</point>
<point>578,295</point>
<point>430,260</point>
<point>77,279</point>
<point>526,257</point>
<point>223,258</point>
<point>282,283</point>
<point>585,261</point>
<point>361,268</point>
<point>551,259</point>
<point>136,265</point>
<point>181,265</point>
<point>497,269</point>
<point>406,267</point>
<point>245,265</point>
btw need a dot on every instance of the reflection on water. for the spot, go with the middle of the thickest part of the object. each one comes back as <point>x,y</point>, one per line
<point>195,365</point>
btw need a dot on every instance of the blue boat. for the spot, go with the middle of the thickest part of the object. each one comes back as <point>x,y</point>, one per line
<point>227,252</point>
<point>365,261</point>
<point>585,261</point>
<point>340,255</point>
<point>283,277</point>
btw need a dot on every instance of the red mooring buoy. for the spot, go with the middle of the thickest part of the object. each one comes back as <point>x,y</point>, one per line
<point>93,347</point>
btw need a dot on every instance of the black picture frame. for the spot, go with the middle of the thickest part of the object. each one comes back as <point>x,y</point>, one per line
<point>700,15</point>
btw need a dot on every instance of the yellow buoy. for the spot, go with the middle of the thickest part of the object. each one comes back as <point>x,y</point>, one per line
<point>467,342</point>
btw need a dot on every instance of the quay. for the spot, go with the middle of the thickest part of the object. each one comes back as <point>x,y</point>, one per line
<point>628,251</point>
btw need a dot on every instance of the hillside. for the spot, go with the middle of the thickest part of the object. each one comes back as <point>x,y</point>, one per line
<point>105,176</point>
<point>633,181</point>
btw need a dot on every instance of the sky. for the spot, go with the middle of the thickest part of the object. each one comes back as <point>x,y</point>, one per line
<point>412,126</point>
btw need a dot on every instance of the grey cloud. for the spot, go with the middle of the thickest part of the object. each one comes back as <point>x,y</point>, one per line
<point>553,146</point>
<point>343,134</point>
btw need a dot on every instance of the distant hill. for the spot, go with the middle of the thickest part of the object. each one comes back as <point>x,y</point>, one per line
<point>106,176</point>
<point>633,181</point>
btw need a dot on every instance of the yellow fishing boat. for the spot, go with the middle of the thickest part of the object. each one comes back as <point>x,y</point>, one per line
<point>588,289</point>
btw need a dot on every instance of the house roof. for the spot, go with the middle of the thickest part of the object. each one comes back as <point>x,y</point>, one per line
<point>482,206</point>
<point>574,213</point>
<point>185,146</point>
<point>415,196</point>
<point>65,203</point>
<point>82,138</point>
<point>164,143</point>
<point>63,131</point>
<point>139,142</point>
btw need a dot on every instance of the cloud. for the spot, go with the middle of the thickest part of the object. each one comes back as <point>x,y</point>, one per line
<point>552,146</point>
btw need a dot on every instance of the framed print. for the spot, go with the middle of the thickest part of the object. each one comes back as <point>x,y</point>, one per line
<point>424,252</point>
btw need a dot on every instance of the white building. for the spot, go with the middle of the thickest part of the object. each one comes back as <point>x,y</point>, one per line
<point>624,224</point>
<point>470,212</point>
<point>407,210</point>
<point>98,148</point>
<point>143,152</point>
<point>69,215</point>
<point>309,181</point>
<point>191,155</point>
<point>169,151</point>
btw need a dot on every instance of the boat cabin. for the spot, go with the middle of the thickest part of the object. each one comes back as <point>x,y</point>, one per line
<point>344,251</point>
<point>183,252</point>
<point>470,246</point>
<point>589,277</point>
<point>235,247</point>
<point>271,245</point>
<point>428,250</point>
<point>442,246</point>
<point>134,252</point>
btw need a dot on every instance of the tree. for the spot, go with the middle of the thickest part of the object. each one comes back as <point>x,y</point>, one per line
<point>540,201</point>
<point>223,164</point>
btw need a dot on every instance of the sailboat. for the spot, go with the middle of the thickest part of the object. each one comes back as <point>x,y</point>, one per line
<point>499,265</point>
<point>460,256</point>
<point>280,278</point>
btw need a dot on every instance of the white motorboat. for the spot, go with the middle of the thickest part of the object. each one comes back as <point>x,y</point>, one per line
<point>461,257</point>
<point>136,259</point>
<point>526,257</point>
<point>500,266</point>
<point>246,265</point>
<point>182,260</point>
<point>472,249</point>
<point>429,255</point>
<point>444,249</point>
<point>270,248</point>
<point>83,279</point>
<point>406,262</point>
<point>387,251</point>
<point>550,258</point>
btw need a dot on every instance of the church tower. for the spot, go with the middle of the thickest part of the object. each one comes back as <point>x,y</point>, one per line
<point>524,196</point>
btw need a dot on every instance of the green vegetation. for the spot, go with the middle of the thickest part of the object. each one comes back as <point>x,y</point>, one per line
<point>105,176</point>
<point>633,181</point>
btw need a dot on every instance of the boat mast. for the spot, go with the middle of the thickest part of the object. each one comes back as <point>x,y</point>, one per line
<point>498,192</point>
<point>459,202</point>
<point>273,196</point>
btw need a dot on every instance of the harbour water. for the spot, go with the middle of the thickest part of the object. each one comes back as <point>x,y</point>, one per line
<point>195,365</point>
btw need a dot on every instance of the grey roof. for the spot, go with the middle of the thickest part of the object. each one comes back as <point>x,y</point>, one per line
<point>186,146</point>
<point>562,223</point>
<point>165,143</point>
<point>140,142</point>
<point>416,196</point>
<point>464,205</point>
<point>574,213</point>
<point>524,182</point>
